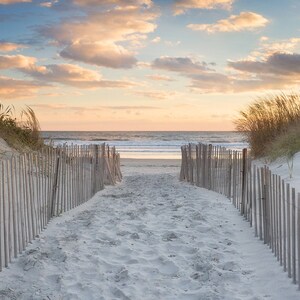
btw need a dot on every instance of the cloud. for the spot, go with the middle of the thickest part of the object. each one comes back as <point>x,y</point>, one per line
<point>179,64</point>
<point>13,88</point>
<point>7,47</point>
<point>104,38</point>
<point>49,3</point>
<point>242,22</point>
<point>158,77</point>
<point>268,47</point>
<point>64,107</point>
<point>156,40</point>
<point>223,83</point>
<point>67,74</point>
<point>211,82</point>
<point>283,64</point>
<point>16,61</point>
<point>126,107</point>
<point>278,72</point>
<point>94,3</point>
<point>181,6</point>
<point>5,2</point>
<point>101,54</point>
<point>160,95</point>
<point>172,44</point>
<point>74,75</point>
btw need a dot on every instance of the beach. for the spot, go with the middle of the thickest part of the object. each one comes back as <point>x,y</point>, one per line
<point>150,236</point>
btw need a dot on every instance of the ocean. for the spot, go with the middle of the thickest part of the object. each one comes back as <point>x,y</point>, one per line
<point>147,144</point>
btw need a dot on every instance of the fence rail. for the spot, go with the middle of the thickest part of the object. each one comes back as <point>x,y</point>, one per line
<point>37,186</point>
<point>270,204</point>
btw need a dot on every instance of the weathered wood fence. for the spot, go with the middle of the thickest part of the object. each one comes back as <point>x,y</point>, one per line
<point>270,205</point>
<point>35,187</point>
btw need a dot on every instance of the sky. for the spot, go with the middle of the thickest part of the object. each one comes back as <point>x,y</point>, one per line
<point>146,65</point>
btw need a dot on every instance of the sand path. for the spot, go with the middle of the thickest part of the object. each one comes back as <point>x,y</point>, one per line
<point>150,237</point>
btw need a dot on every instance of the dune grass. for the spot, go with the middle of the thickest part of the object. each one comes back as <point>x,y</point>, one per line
<point>22,132</point>
<point>270,119</point>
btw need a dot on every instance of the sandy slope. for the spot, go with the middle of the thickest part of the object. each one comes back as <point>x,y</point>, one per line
<point>150,237</point>
<point>5,150</point>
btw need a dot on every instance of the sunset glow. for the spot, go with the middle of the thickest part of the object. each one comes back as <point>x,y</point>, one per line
<point>145,65</point>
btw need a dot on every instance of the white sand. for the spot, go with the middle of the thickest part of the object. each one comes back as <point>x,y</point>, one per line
<point>150,237</point>
<point>281,167</point>
<point>5,150</point>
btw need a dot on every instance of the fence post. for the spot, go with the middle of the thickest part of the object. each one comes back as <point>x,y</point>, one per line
<point>209,155</point>
<point>244,178</point>
<point>181,176</point>
<point>229,175</point>
<point>288,219</point>
<point>96,162</point>
<point>298,239</point>
<point>294,234</point>
<point>54,187</point>
<point>191,179</point>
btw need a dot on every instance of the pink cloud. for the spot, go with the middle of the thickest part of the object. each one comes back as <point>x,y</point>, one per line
<point>16,61</point>
<point>105,38</point>
<point>74,75</point>
<point>7,47</point>
<point>114,2</point>
<point>154,94</point>
<point>181,6</point>
<point>158,77</point>
<point>107,55</point>
<point>5,2</point>
<point>13,88</point>
<point>242,22</point>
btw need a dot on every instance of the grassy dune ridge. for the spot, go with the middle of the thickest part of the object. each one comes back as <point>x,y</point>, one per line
<point>21,132</point>
<point>271,125</point>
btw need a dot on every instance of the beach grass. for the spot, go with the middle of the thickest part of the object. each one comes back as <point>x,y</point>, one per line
<point>21,132</point>
<point>269,121</point>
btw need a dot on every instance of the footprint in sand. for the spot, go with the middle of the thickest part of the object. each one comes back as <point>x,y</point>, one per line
<point>122,275</point>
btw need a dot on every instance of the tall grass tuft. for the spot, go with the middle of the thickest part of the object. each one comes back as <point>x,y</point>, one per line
<point>20,133</point>
<point>267,118</point>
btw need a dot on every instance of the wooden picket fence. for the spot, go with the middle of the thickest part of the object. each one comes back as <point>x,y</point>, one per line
<point>270,204</point>
<point>36,186</point>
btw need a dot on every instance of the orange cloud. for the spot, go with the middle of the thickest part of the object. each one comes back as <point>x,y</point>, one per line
<point>158,77</point>
<point>101,54</point>
<point>7,47</point>
<point>13,88</point>
<point>115,2</point>
<point>243,21</point>
<point>65,107</point>
<point>269,47</point>
<point>67,74</point>
<point>4,2</point>
<point>160,95</point>
<point>74,75</point>
<point>16,61</point>
<point>181,6</point>
<point>96,39</point>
